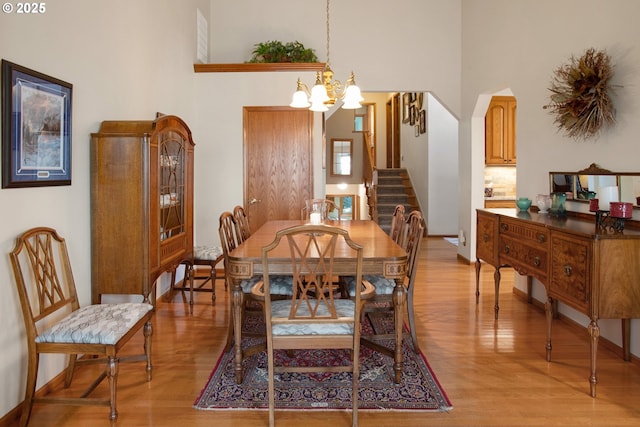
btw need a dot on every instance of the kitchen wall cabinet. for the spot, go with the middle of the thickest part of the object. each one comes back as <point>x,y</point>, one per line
<point>500,131</point>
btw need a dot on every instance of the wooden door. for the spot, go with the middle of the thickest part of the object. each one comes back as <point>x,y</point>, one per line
<point>393,132</point>
<point>278,171</point>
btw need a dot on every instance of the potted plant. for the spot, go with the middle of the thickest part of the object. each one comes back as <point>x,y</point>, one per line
<point>276,51</point>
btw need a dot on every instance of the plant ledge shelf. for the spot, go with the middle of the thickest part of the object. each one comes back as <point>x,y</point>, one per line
<point>258,67</point>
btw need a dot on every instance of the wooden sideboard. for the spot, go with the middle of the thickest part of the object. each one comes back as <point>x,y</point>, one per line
<point>597,273</point>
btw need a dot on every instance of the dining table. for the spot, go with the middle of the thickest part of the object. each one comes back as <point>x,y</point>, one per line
<point>381,256</point>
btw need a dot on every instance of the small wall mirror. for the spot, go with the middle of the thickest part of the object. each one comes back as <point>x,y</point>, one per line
<point>584,185</point>
<point>341,157</point>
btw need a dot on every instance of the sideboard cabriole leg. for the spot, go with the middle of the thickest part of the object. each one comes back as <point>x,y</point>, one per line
<point>496,278</point>
<point>478,266</point>
<point>548,310</point>
<point>594,334</point>
<point>529,289</point>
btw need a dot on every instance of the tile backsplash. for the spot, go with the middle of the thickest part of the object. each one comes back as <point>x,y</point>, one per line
<point>502,181</point>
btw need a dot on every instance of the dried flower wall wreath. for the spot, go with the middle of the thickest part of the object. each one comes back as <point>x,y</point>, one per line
<point>580,95</point>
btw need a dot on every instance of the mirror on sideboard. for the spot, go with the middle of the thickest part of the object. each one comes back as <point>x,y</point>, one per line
<point>585,184</point>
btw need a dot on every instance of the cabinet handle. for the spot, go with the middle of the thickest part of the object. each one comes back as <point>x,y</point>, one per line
<point>506,249</point>
<point>504,227</point>
<point>567,270</point>
<point>542,238</point>
<point>536,261</point>
<point>485,238</point>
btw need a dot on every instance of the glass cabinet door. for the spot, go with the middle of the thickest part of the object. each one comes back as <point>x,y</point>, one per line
<point>172,180</point>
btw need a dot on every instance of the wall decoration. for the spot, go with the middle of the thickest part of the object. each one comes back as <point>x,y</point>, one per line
<point>580,95</point>
<point>36,128</point>
<point>406,103</point>
<point>423,121</point>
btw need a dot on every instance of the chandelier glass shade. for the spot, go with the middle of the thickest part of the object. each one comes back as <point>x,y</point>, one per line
<point>326,91</point>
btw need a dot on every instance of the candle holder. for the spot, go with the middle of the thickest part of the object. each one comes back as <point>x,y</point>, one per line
<point>608,224</point>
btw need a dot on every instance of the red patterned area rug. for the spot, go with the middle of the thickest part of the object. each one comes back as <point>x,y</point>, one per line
<point>419,389</point>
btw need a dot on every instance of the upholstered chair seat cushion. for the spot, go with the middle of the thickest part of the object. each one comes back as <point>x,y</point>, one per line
<point>344,308</point>
<point>383,285</point>
<point>208,253</point>
<point>96,324</point>
<point>279,285</point>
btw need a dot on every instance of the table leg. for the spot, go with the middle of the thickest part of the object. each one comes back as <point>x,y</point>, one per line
<point>626,339</point>
<point>478,267</point>
<point>594,334</point>
<point>496,280</point>
<point>548,310</point>
<point>399,296</point>
<point>236,318</point>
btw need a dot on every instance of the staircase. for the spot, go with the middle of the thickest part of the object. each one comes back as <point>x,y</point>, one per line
<point>394,188</point>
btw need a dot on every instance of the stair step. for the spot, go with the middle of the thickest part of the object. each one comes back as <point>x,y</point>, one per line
<point>390,180</point>
<point>391,191</point>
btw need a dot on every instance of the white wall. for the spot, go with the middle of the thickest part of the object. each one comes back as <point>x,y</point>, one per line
<point>126,60</point>
<point>442,128</point>
<point>389,50</point>
<point>517,45</point>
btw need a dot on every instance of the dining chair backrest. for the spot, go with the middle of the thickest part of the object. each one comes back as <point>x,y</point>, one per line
<point>313,318</point>
<point>228,239</point>
<point>242,224</point>
<point>325,207</point>
<point>413,242</point>
<point>397,230</point>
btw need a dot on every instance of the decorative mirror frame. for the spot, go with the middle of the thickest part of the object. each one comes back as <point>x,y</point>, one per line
<point>628,184</point>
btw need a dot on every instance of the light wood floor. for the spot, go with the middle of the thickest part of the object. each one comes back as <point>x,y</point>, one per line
<point>494,372</point>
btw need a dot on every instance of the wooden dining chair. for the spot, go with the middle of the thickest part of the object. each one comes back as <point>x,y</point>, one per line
<point>384,288</point>
<point>229,240</point>
<point>313,318</point>
<point>55,322</point>
<point>195,280</point>
<point>397,230</point>
<point>327,208</point>
<point>242,224</point>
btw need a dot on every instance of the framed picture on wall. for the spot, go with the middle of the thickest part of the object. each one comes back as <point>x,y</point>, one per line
<point>423,121</point>
<point>36,128</point>
<point>406,104</point>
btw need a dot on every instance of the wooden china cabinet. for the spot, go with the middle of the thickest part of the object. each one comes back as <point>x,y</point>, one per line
<point>141,203</point>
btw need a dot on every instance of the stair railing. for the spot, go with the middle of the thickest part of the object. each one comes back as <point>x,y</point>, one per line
<point>370,177</point>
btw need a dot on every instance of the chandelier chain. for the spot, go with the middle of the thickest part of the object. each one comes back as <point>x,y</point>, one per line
<point>328,32</point>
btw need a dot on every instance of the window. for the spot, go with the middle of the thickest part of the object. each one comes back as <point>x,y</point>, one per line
<point>341,155</point>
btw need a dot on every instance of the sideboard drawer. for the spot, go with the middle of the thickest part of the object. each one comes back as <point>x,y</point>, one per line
<point>524,246</point>
<point>525,259</point>
<point>526,232</point>
<point>569,279</point>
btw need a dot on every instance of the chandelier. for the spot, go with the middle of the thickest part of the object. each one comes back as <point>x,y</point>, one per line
<point>326,91</point>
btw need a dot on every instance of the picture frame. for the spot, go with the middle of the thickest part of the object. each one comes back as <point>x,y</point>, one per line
<point>36,128</point>
<point>412,115</point>
<point>419,100</point>
<point>423,121</point>
<point>406,104</point>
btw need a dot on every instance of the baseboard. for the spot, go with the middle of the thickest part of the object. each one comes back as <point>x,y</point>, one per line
<point>463,259</point>
<point>12,418</point>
